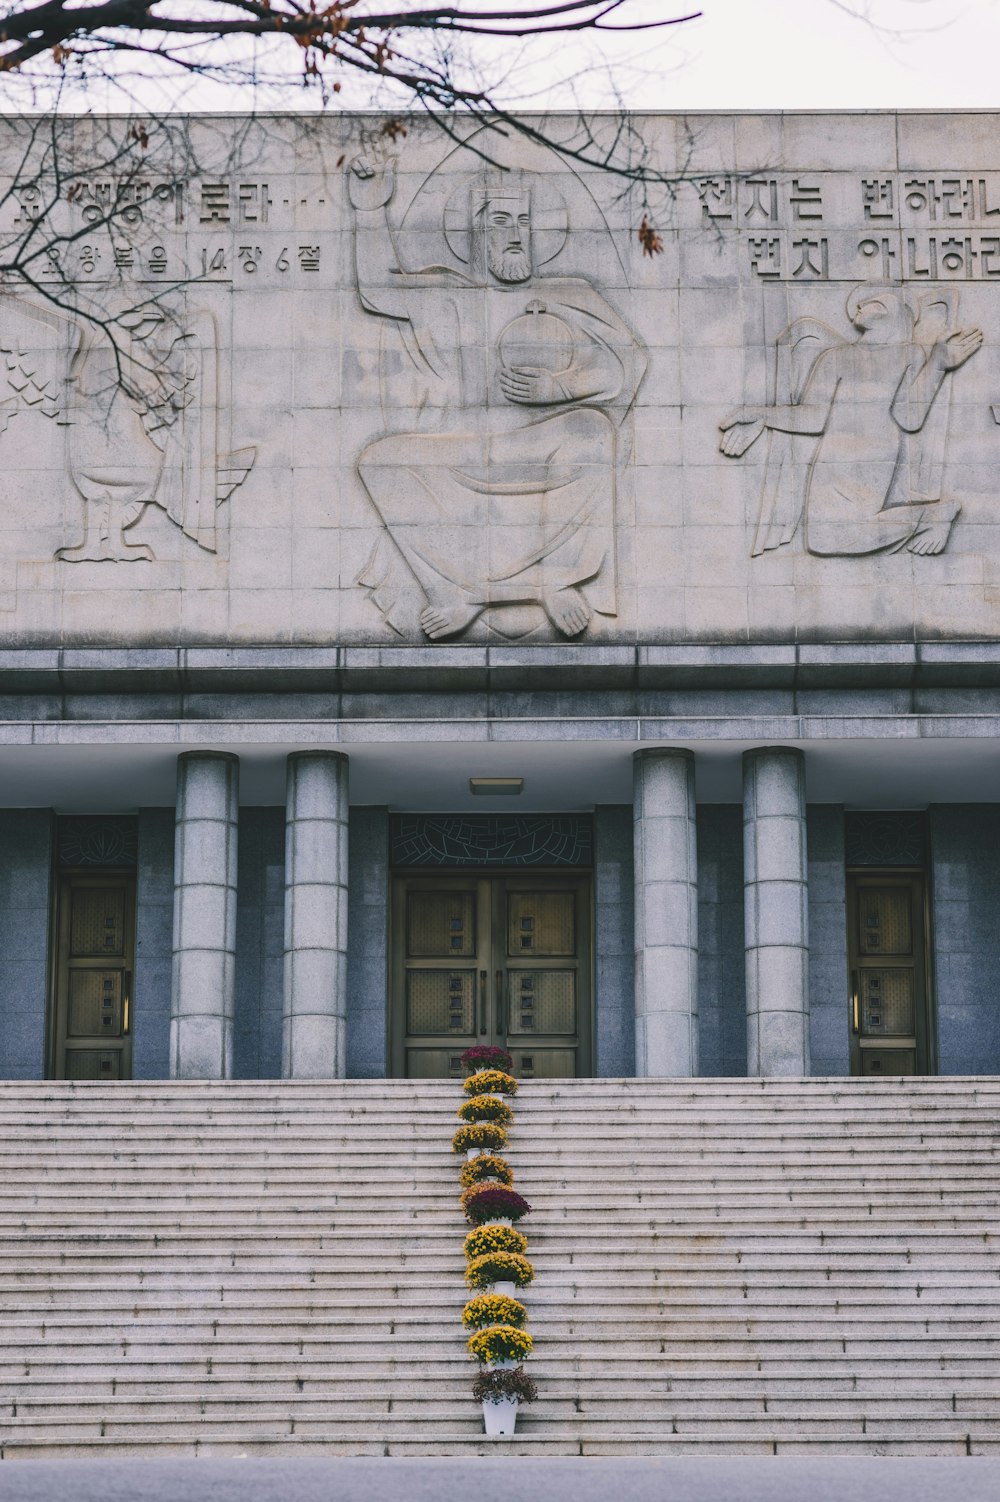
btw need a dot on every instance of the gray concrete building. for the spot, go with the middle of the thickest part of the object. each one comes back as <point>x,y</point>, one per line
<point>426,619</point>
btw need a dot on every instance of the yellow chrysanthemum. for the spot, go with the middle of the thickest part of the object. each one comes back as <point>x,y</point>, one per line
<point>493,1309</point>
<point>500,1343</point>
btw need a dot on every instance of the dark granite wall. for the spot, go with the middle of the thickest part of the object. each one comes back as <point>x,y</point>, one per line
<point>614,942</point>
<point>368,930</point>
<point>829,1020</point>
<point>964,905</point>
<point>154,926</point>
<point>25,905</point>
<point>722,1027</point>
<point>260,919</point>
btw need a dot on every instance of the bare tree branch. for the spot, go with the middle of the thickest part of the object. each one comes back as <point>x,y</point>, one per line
<point>346,33</point>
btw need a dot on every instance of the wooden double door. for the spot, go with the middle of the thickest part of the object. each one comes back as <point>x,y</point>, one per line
<point>890,1011</point>
<point>491,960</point>
<point>91,1019</point>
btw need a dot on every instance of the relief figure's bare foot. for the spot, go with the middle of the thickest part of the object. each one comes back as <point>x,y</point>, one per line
<point>568,611</point>
<point>934,538</point>
<point>102,550</point>
<point>104,523</point>
<point>439,621</point>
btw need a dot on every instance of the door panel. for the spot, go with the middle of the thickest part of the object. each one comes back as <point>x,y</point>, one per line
<point>890,1029</point>
<point>541,923</point>
<point>91,1023</point>
<point>519,973</point>
<point>439,1002</point>
<point>542,1001</point>
<point>440,923</point>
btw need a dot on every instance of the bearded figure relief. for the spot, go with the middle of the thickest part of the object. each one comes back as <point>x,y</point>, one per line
<point>858,427</point>
<point>497,489</point>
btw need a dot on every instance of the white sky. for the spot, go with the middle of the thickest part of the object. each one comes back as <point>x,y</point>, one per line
<point>741,54</point>
<point>808,54</point>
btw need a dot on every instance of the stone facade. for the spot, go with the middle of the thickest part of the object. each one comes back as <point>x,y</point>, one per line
<point>394,464</point>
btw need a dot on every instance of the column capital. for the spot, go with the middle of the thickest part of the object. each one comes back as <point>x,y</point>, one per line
<point>755,751</point>
<point>658,753</point>
<point>318,755</point>
<point>207,755</point>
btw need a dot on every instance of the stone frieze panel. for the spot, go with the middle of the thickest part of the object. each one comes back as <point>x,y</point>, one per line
<point>312,383</point>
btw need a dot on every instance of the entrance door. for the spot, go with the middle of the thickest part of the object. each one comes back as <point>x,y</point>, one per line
<point>889,1012</point>
<point>91,1033</point>
<point>491,959</point>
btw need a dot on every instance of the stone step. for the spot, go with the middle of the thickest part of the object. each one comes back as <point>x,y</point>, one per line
<point>278,1191</point>
<point>652,1256</point>
<point>411,1346</point>
<point>815,1369</point>
<point>384,1425</point>
<point>355,1409</point>
<point>559,1117</point>
<point>683,1322</point>
<point>793,1091</point>
<point>632,1289</point>
<point>964,1393</point>
<point>724,1266</point>
<point>262,1180</point>
<point>662,1236</point>
<point>644,1218</point>
<point>561,1301</point>
<point>812,1117</point>
<point>461,1444</point>
<point>792,1096</point>
<point>585,1100</point>
<point>645,1135</point>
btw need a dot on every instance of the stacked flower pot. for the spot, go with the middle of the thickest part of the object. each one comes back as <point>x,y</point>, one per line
<point>497,1268</point>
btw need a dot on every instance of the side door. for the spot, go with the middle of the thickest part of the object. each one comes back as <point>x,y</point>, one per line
<point>890,1024</point>
<point>91,1035</point>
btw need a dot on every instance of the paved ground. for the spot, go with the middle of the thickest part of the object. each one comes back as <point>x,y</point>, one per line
<point>743,1479</point>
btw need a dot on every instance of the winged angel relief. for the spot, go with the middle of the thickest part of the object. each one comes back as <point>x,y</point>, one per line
<point>141,428</point>
<point>858,427</point>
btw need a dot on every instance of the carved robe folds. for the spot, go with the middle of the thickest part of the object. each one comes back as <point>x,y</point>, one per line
<point>507,518</point>
<point>498,486</point>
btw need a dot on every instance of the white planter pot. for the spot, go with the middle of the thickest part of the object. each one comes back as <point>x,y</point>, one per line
<point>507,1223</point>
<point>500,1366</point>
<point>473,1152</point>
<point>508,1289</point>
<point>499,1416</point>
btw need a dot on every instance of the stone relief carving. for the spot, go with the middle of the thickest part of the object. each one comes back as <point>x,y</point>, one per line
<point>858,427</point>
<point>497,488</point>
<point>147,433</point>
<point>140,430</point>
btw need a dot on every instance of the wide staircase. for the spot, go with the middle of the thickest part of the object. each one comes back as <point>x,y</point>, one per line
<point>722,1266</point>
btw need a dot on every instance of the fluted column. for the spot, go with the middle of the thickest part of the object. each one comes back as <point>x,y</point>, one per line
<point>666,914</point>
<point>204,963</point>
<point>315,1001</point>
<point>775,911</point>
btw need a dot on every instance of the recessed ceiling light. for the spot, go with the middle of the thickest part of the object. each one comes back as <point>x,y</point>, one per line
<point>496,787</point>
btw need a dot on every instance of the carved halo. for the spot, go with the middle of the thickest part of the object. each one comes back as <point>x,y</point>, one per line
<point>549,216</point>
